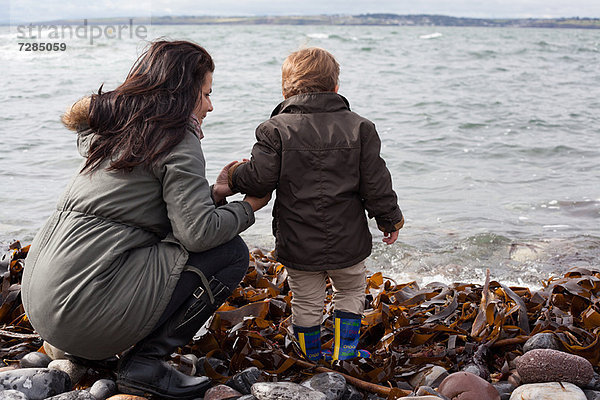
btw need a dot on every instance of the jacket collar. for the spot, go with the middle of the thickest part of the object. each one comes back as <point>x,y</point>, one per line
<point>84,140</point>
<point>196,127</point>
<point>307,103</point>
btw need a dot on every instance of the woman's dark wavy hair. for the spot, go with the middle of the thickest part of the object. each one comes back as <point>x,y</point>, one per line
<point>141,121</point>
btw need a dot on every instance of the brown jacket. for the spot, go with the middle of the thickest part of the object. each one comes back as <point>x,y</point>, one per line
<point>324,161</point>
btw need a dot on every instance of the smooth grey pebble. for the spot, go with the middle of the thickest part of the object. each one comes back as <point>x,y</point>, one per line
<point>104,388</point>
<point>35,360</point>
<point>541,341</point>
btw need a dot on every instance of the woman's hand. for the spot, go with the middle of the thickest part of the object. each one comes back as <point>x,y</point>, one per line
<point>257,202</point>
<point>221,188</point>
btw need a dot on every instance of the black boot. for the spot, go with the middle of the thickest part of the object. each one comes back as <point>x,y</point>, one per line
<point>143,370</point>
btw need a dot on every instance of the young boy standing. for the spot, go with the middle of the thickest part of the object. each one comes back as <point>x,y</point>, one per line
<point>324,162</point>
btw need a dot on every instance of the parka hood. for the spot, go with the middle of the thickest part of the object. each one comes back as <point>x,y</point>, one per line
<point>76,118</point>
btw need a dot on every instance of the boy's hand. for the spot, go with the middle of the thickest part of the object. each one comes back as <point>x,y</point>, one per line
<point>390,237</point>
<point>257,202</point>
<point>221,188</point>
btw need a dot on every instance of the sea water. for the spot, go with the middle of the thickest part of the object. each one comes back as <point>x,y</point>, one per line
<point>491,134</point>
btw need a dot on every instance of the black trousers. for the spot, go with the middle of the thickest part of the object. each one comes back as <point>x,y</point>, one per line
<point>228,263</point>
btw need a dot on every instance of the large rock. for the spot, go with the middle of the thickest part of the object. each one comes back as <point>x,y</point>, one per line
<point>243,381</point>
<point>36,383</point>
<point>467,386</point>
<point>12,395</point>
<point>541,341</point>
<point>103,389</point>
<point>548,391</point>
<point>331,384</point>
<point>284,391</point>
<point>74,395</point>
<point>546,365</point>
<point>35,360</point>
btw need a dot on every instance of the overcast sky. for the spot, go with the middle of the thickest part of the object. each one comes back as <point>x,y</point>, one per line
<point>18,11</point>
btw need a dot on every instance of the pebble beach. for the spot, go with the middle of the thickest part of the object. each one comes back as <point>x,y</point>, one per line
<point>459,341</point>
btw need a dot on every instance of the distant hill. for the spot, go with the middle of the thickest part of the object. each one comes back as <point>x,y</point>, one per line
<point>362,19</point>
<point>386,19</point>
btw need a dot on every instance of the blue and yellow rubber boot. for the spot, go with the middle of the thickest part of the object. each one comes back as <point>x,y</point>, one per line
<point>346,333</point>
<point>310,341</point>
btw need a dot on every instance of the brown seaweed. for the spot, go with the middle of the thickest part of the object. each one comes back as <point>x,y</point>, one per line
<point>17,337</point>
<point>406,328</point>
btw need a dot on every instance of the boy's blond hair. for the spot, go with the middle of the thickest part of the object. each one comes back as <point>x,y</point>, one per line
<point>309,70</point>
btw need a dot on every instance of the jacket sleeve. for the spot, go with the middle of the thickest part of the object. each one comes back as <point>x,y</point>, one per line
<point>379,198</point>
<point>197,224</point>
<point>259,176</point>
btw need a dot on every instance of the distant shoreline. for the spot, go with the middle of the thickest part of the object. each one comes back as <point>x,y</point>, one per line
<point>342,20</point>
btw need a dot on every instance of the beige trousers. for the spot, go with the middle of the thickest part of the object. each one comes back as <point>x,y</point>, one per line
<point>308,292</point>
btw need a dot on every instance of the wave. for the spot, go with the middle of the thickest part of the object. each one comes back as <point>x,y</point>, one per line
<point>318,35</point>
<point>588,209</point>
<point>431,36</point>
<point>520,262</point>
<point>483,54</point>
<point>556,150</point>
<point>588,50</point>
<point>344,38</point>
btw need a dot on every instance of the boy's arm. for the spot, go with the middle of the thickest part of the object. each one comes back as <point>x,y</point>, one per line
<point>379,198</point>
<point>260,175</point>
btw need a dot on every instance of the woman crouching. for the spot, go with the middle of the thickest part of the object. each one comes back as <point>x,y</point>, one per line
<point>141,250</point>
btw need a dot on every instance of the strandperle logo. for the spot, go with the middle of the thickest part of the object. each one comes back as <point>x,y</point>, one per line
<point>85,31</point>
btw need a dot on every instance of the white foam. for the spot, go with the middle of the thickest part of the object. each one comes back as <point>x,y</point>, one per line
<point>318,35</point>
<point>431,36</point>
